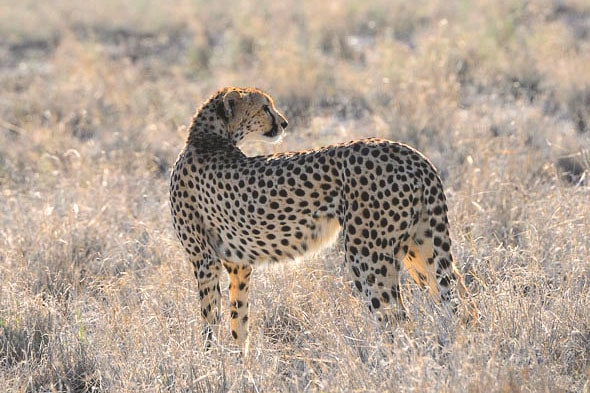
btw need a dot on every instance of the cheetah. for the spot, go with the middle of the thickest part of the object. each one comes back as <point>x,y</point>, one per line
<point>236,211</point>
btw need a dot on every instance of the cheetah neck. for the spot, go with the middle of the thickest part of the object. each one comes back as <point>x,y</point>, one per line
<point>209,130</point>
<point>209,143</point>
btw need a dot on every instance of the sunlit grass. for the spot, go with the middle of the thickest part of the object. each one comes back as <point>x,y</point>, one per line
<point>96,293</point>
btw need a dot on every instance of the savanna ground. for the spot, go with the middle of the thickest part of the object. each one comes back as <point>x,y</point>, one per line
<point>96,293</point>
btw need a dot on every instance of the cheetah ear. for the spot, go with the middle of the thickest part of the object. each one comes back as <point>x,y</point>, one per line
<point>229,102</point>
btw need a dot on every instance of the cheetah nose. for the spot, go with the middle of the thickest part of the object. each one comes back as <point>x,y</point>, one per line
<point>284,124</point>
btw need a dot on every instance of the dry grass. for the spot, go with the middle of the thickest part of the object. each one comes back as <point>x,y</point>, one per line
<point>95,291</point>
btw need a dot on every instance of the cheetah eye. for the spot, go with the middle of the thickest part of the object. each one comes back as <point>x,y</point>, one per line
<point>266,108</point>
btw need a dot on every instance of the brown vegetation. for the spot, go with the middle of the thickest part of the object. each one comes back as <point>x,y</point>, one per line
<point>96,293</point>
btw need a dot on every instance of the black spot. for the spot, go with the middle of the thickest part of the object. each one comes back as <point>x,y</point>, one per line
<point>376,303</point>
<point>358,285</point>
<point>444,263</point>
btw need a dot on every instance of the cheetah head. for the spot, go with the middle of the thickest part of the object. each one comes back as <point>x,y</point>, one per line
<point>251,115</point>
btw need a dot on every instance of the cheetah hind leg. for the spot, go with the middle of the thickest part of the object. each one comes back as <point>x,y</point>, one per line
<point>434,268</point>
<point>380,287</point>
<point>419,263</point>
<point>239,285</point>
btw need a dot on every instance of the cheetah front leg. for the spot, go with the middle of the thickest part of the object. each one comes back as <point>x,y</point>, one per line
<point>239,284</point>
<point>207,270</point>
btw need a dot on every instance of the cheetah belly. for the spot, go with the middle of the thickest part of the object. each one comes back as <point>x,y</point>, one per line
<point>325,234</point>
<point>320,233</point>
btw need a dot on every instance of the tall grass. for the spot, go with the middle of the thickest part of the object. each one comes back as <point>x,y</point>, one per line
<point>96,294</point>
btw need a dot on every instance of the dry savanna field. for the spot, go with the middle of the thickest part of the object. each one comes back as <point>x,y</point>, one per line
<point>96,293</point>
